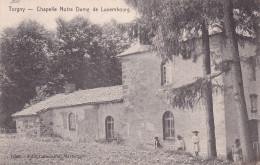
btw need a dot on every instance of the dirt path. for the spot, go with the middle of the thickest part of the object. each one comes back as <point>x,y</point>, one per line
<point>26,152</point>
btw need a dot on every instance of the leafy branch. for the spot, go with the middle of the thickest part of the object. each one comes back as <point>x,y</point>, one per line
<point>188,95</point>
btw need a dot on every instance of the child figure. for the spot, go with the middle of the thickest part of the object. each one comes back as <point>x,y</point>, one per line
<point>195,141</point>
<point>157,143</point>
<point>180,143</point>
<point>237,151</point>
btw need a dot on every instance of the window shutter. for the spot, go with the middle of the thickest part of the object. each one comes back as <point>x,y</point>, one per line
<point>168,74</point>
<point>162,74</point>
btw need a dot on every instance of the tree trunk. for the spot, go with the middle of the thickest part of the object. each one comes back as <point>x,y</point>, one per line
<point>237,81</point>
<point>257,35</point>
<point>207,93</point>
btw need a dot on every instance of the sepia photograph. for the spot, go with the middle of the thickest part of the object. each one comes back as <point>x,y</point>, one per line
<point>125,82</point>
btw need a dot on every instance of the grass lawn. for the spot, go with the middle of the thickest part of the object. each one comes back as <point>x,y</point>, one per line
<point>45,151</point>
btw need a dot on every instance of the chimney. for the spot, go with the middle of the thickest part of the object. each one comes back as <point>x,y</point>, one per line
<point>69,88</point>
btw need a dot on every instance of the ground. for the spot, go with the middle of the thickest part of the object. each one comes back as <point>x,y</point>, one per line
<point>44,151</point>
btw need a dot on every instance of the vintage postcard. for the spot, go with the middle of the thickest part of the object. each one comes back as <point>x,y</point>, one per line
<point>129,82</point>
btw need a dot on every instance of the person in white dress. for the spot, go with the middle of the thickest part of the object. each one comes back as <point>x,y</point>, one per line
<point>196,143</point>
<point>180,143</point>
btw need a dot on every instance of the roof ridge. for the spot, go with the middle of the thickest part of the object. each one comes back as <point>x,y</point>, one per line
<point>94,95</point>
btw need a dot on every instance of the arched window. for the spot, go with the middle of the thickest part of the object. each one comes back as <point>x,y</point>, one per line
<point>168,125</point>
<point>72,122</point>
<point>109,128</point>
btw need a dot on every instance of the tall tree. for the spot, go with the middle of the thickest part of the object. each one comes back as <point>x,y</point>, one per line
<point>212,151</point>
<point>179,19</point>
<point>247,20</point>
<point>113,41</point>
<point>86,54</point>
<point>237,80</point>
<point>24,56</point>
<point>75,39</point>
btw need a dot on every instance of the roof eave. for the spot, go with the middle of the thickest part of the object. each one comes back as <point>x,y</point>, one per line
<point>89,103</point>
<point>129,54</point>
<point>16,115</point>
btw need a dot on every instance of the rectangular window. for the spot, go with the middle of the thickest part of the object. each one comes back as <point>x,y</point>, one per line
<point>253,68</point>
<point>166,74</point>
<point>253,103</point>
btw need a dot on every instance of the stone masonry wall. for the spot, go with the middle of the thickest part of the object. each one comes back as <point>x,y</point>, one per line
<point>28,126</point>
<point>144,107</point>
<point>250,87</point>
<point>86,122</point>
<point>90,121</point>
<point>116,111</point>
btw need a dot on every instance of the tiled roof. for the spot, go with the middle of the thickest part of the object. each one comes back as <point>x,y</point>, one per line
<point>89,96</point>
<point>136,48</point>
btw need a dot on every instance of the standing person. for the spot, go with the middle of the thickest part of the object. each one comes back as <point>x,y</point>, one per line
<point>195,141</point>
<point>237,151</point>
<point>157,143</point>
<point>180,143</point>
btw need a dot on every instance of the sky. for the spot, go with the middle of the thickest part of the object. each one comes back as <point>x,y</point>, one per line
<point>10,16</point>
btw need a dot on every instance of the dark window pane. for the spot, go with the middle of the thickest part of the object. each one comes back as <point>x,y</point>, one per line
<point>72,124</point>
<point>109,128</point>
<point>168,126</point>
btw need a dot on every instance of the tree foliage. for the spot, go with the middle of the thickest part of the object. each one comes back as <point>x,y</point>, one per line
<point>24,60</point>
<point>86,54</point>
<point>74,41</point>
<point>180,21</point>
<point>36,63</point>
<point>42,93</point>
